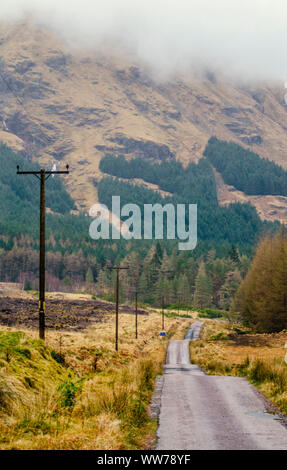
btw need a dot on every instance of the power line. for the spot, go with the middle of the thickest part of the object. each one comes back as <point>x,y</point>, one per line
<point>42,175</point>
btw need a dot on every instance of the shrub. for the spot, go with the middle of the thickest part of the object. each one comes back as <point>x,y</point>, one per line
<point>219,336</point>
<point>68,391</point>
<point>211,313</point>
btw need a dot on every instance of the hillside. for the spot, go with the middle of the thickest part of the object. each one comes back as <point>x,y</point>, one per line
<point>73,107</point>
<point>76,392</point>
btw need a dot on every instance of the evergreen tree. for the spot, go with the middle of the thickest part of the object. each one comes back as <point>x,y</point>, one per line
<point>103,282</point>
<point>90,276</point>
<point>184,290</point>
<point>203,289</point>
<point>157,255</point>
<point>233,254</point>
<point>217,270</point>
<point>229,288</point>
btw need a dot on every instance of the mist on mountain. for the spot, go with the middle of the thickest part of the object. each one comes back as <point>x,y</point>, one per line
<point>242,38</point>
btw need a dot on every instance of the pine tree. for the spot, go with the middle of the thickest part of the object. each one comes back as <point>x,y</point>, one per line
<point>203,289</point>
<point>150,275</point>
<point>184,290</point>
<point>217,271</point>
<point>229,288</point>
<point>233,254</point>
<point>158,254</point>
<point>103,282</point>
<point>90,276</point>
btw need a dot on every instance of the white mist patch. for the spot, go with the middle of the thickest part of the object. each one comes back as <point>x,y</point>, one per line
<point>242,37</point>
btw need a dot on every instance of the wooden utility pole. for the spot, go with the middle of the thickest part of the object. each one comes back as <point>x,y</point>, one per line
<point>42,258</point>
<point>42,175</point>
<point>117,304</point>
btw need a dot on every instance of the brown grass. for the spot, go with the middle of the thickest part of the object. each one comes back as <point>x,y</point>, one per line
<point>98,400</point>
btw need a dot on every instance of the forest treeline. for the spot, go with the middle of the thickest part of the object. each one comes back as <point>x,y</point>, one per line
<point>193,183</point>
<point>245,170</point>
<point>74,261</point>
<point>238,223</point>
<point>194,281</point>
<point>178,279</point>
<point>208,276</point>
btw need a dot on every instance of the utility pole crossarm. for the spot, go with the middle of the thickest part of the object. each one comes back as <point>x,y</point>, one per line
<point>39,172</point>
<point>47,172</point>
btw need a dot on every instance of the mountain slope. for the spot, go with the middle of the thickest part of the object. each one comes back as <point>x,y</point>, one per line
<point>64,105</point>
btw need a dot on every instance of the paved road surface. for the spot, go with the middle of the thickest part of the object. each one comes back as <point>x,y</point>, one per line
<point>212,412</point>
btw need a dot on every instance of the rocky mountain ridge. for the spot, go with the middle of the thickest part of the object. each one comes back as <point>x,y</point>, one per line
<point>63,105</point>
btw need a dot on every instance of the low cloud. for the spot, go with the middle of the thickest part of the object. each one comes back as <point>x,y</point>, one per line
<point>245,38</point>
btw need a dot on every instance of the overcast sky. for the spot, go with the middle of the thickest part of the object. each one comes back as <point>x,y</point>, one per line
<point>247,37</point>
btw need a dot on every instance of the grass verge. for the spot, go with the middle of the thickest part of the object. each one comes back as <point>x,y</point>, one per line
<point>76,391</point>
